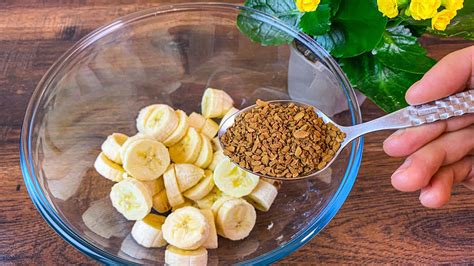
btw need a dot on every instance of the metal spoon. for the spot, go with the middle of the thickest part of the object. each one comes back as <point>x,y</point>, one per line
<point>411,116</point>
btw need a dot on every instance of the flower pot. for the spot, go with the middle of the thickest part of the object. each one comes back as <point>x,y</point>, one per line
<point>310,81</point>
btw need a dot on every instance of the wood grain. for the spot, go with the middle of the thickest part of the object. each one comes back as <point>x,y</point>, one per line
<point>376,224</point>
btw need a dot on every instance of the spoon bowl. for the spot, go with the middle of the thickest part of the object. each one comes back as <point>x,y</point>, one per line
<point>228,122</point>
<point>411,116</point>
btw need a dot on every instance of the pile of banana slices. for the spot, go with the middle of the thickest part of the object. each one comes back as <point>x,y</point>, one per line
<point>174,165</point>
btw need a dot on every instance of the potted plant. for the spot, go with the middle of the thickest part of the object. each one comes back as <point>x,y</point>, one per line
<point>375,42</point>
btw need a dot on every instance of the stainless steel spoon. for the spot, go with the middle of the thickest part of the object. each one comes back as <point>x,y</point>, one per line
<point>411,116</point>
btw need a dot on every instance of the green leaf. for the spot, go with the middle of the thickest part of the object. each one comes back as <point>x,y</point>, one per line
<point>385,86</point>
<point>334,5</point>
<point>362,26</point>
<point>263,32</point>
<point>329,40</point>
<point>462,25</point>
<point>399,50</point>
<point>317,22</point>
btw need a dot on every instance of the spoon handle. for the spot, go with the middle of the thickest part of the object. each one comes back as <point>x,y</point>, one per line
<point>455,105</point>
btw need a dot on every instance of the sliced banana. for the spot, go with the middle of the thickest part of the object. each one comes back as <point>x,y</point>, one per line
<point>155,186</point>
<point>216,145</point>
<point>215,103</point>
<point>197,121</point>
<point>217,157</point>
<point>161,203</point>
<point>111,146</point>
<point>143,116</point>
<point>182,205</point>
<point>186,228</point>
<point>234,181</point>
<point>108,169</point>
<point>219,202</point>
<point>171,187</point>
<point>131,140</point>
<point>147,232</point>
<point>188,148</point>
<point>187,175</point>
<point>180,130</point>
<point>210,128</point>
<point>262,196</point>
<point>211,242</point>
<point>235,219</point>
<point>201,189</point>
<point>145,159</point>
<point>205,155</point>
<point>179,257</point>
<point>228,114</point>
<point>209,199</point>
<point>131,198</point>
<point>161,122</point>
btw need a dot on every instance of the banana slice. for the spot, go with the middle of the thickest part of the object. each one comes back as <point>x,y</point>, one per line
<point>216,145</point>
<point>219,202</point>
<point>205,155</point>
<point>217,157</point>
<point>147,232</point>
<point>131,140</point>
<point>111,146</point>
<point>187,175</point>
<point>171,187</point>
<point>186,228</point>
<point>180,130</point>
<point>145,159</point>
<point>197,121</point>
<point>182,205</point>
<point>262,196</point>
<point>143,116</point>
<point>215,103</point>
<point>210,128</point>
<point>154,186</point>
<point>179,257</point>
<point>131,198</point>
<point>235,219</point>
<point>211,241</point>
<point>161,122</point>
<point>188,148</point>
<point>201,189</point>
<point>234,181</point>
<point>229,113</point>
<point>209,199</point>
<point>108,169</point>
<point>161,203</point>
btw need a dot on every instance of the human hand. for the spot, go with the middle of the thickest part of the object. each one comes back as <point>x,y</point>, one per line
<point>440,154</point>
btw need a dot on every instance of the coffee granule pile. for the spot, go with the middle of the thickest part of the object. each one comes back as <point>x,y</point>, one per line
<point>281,140</point>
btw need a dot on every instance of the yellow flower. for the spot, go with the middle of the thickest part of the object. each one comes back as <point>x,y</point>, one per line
<point>453,4</point>
<point>442,19</point>
<point>424,9</point>
<point>388,8</point>
<point>307,5</point>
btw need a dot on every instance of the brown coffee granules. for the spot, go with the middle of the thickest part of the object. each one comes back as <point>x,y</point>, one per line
<point>281,140</point>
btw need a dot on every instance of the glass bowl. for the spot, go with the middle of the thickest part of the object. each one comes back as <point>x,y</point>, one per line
<point>170,55</point>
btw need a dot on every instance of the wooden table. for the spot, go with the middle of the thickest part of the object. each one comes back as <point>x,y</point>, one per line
<point>377,224</point>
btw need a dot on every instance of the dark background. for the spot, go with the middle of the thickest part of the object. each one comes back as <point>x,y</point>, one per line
<point>376,224</point>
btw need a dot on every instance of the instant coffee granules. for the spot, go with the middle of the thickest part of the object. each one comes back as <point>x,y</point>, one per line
<point>281,140</point>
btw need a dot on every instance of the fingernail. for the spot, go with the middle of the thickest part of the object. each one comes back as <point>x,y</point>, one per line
<point>403,167</point>
<point>397,134</point>
<point>425,196</point>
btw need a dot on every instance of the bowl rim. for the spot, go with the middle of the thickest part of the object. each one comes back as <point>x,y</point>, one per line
<point>48,211</point>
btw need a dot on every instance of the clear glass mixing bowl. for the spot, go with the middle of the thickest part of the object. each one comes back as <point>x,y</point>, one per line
<point>170,55</point>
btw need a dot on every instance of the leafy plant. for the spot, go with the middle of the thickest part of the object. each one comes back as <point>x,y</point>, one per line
<point>375,42</point>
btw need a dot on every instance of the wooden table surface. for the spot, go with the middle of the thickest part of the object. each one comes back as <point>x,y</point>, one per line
<point>377,224</point>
